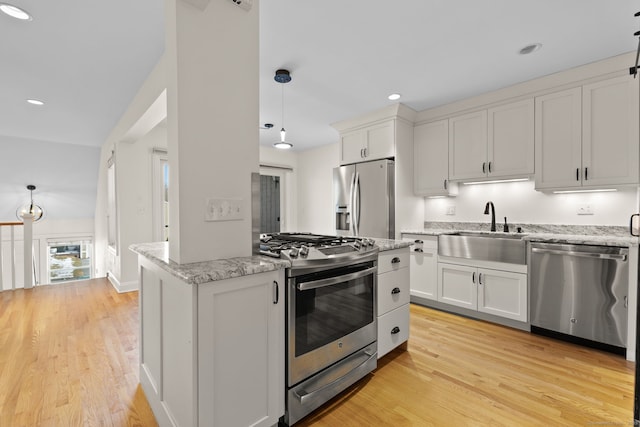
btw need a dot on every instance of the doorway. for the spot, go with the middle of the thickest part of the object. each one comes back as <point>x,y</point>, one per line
<point>270,204</point>
<point>160,195</point>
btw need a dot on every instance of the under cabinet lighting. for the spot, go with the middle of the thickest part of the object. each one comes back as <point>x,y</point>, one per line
<point>436,197</point>
<point>602,190</point>
<point>15,12</point>
<point>496,181</point>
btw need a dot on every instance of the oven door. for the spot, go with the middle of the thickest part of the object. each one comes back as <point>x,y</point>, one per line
<point>332,314</point>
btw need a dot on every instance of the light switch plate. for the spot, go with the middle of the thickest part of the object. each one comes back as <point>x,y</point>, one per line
<point>223,209</point>
<point>451,210</point>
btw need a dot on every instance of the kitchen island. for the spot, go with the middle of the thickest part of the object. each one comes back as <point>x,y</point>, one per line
<point>212,339</point>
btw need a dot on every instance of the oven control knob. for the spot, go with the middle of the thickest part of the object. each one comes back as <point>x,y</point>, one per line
<point>304,251</point>
<point>357,244</point>
<point>293,253</point>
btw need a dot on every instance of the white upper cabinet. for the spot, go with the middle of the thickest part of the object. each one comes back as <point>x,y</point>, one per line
<point>588,137</point>
<point>511,142</point>
<point>493,143</point>
<point>468,146</point>
<point>430,160</point>
<point>369,143</point>
<point>558,139</point>
<point>610,132</point>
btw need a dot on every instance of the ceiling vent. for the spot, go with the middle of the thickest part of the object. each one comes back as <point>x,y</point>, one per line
<point>244,4</point>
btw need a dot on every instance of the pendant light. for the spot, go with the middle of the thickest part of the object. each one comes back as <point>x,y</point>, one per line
<point>282,77</point>
<point>30,208</point>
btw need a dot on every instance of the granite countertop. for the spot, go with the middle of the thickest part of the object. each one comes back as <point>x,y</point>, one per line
<point>581,235</point>
<point>207,271</point>
<point>389,245</point>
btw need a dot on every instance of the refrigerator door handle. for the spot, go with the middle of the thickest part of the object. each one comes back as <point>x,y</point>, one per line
<point>356,204</point>
<point>352,206</point>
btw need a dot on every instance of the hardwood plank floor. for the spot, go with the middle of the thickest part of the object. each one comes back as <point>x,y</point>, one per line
<point>69,357</point>
<point>462,372</point>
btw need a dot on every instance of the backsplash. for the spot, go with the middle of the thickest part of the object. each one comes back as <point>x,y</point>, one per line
<point>589,230</point>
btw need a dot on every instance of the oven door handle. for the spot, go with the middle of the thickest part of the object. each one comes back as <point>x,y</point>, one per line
<point>304,286</point>
<point>304,396</point>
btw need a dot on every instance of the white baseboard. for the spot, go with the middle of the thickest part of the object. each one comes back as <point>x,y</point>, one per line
<point>122,287</point>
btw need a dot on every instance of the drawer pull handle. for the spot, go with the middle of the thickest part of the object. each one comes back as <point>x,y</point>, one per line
<point>395,330</point>
<point>418,241</point>
<point>395,291</point>
<point>418,250</point>
<point>473,277</point>
<point>395,260</point>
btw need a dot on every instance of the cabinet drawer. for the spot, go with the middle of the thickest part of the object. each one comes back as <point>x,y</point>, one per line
<point>393,329</point>
<point>393,260</point>
<point>393,290</point>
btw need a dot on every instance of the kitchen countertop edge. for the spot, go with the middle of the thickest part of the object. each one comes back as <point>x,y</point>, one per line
<point>197,273</point>
<point>573,239</point>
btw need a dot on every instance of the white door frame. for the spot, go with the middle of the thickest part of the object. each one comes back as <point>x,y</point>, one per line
<point>158,157</point>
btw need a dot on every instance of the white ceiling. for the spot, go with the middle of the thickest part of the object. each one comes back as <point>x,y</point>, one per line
<point>86,60</point>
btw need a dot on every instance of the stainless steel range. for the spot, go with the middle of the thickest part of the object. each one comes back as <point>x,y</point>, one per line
<point>331,315</point>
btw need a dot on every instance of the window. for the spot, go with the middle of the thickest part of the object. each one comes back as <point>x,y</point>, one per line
<point>69,260</point>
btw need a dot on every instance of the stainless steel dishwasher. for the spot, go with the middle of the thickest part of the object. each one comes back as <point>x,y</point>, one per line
<point>580,291</point>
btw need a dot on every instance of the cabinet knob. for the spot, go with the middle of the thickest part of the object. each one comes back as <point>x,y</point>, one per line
<point>395,291</point>
<point>395,330</point>
<point>395,260</point>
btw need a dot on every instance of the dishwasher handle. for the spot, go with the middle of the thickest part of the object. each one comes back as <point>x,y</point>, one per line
<point>621,257</point>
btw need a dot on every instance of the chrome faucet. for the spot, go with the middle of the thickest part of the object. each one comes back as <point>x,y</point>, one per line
<point>493,214</point>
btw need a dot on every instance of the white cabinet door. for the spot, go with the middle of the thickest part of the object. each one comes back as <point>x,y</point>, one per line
<point>610,132</point>
<point>558,139</point>
<point>352,146</point>
<point>380,141</point>
<point>457,285</point>
<point>502,293</point>
<point>241,351</point>
<point>430,159</point>
<point>468,146</point>
<point>511,142</point>
<point>424,273</point>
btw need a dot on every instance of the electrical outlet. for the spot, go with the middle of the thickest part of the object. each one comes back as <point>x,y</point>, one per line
<point>585,210</point>
<point>451,210</point>
<point>223,210</point>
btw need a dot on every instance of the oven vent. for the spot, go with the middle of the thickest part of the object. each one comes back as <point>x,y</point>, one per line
<point>244,4</point>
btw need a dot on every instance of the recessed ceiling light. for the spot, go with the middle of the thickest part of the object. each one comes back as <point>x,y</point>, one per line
<point>394,97</point>
<point>15,12</point>
<point>35,102</point>
<point>530,48</point>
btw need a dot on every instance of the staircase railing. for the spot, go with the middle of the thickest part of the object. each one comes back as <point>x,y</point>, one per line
<point>28,259</point>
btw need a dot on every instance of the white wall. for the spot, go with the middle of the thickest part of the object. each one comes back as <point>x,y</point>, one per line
<point>520,203</point>
<point>65,176</point>
<point>135,189</point>
<point>315,186</point>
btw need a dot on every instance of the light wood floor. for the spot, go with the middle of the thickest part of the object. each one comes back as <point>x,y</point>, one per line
<point>68,357</point>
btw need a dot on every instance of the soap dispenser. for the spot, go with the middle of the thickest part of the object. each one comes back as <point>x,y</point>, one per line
<point>506,226</point>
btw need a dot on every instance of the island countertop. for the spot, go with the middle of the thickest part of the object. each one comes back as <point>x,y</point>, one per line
<point>197,273</point>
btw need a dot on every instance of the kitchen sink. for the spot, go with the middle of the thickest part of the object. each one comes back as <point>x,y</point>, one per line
<point>485,246</point>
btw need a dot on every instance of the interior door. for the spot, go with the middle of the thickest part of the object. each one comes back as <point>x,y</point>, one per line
<point>374,199</point>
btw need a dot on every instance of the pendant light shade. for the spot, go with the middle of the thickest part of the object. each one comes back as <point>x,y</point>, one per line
<point>30,208</point>
<point>282,77</point>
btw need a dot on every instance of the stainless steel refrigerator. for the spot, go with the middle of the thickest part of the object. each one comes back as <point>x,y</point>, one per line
<point>363,196</point>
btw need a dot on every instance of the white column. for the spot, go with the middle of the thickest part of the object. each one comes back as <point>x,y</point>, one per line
<point>27,220</point>
<point>212,124</point>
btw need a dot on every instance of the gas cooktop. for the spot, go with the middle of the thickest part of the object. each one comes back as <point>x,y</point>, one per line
<point>302,248</point>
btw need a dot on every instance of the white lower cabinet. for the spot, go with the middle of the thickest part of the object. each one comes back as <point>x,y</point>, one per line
<point>496,292</point>
<point>212,354</point>
<point>392,299</point>
<point>423,265</point>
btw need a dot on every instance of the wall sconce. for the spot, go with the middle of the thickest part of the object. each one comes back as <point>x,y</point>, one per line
<point>30,208</point>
